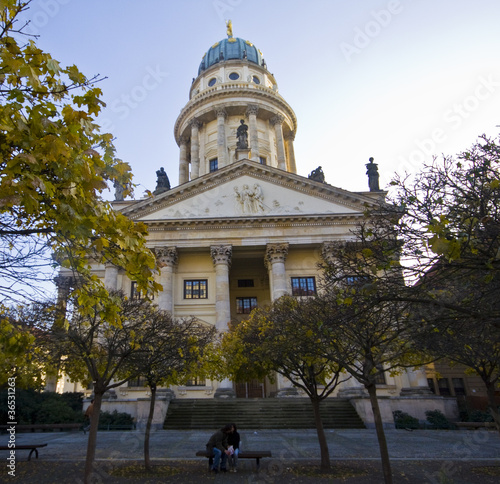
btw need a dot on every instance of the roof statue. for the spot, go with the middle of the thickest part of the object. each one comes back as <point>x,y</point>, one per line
<point>119,189</point>
<point>162,182</point>
<point>229,30</point>
<point>317,175</point>
<point>372,172</point>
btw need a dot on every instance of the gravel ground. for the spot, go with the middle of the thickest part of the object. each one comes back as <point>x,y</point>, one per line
<point>195,471</point>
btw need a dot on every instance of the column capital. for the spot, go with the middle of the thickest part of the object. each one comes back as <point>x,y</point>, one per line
<point>252,109</point>
<point>221,254</point>
<point>327,249</point>
<point>276,252</point>
<point>290,136</point>
<point>277,119</point>
<point>166,256</point>
<point>195,123</point>
<point>63,282</point>
<point>184,140</point>
<point>221,112</point>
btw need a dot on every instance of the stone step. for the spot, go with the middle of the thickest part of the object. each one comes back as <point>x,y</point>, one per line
<point>270,413</point>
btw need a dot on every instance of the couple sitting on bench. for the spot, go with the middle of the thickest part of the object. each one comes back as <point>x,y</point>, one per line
<point>224,445</point>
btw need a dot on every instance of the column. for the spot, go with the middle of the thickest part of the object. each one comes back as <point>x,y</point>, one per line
<point>183,162</point>
<point>111,277</point>
<point>221,256</point>
<point>221,136</point>
<point>252,111</point>
<point>167,259</point>
<point>418,383</point>
<point>277,122</point>
<point>289,138</point>
<point>195,149</point>
<point>63,284</point>
<point>275,259</point>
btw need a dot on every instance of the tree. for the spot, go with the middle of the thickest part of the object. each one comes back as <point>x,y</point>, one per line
<point>363,329</point>
<point>450,229</point>
<point>104,349</point>
<point>283,338</point>
<point>54,167</point>
<point>175,350</point>
<point>18,350</point>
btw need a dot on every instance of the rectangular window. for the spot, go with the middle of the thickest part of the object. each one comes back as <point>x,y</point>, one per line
<point>135,293</point>
<point>303,286</point>
<point>214,165</point>
<point>195,382</point>
<point>245,282</point>
<point>195,289</point>
<point>432,386</point>
<point>137,382</point>
<point>444,387</point>
<point>244,305</point>
<point>380,376</point>
<point>262,160</point>
<point>458,386</point>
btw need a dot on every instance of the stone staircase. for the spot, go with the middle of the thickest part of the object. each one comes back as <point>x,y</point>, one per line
<point>259,413</point>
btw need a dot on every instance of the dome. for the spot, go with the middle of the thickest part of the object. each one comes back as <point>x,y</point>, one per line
<point>228,49</point>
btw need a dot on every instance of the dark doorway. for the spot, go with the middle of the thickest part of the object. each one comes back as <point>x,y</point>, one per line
<point>251,389</point>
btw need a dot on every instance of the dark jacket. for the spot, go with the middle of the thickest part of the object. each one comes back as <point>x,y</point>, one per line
<point>218,440</point>
<point>234,439</point>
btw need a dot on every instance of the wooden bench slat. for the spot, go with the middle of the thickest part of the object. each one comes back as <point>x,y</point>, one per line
<point>33,427</point>
<point>247,454</point>
<point>33,448</point>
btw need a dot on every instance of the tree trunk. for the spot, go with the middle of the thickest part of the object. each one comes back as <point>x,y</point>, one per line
<point>379,426</point>
<point>490,389</point>
<point>323,445</point>
<point>91,443</point>
<point>147,462</point>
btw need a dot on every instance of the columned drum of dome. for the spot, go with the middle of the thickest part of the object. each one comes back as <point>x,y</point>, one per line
<point>234,84</point>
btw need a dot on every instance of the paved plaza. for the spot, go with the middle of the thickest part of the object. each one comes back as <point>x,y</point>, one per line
<point>444,453</point>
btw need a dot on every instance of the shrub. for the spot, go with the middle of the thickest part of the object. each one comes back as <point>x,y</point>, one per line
<point>57,411</point>
<point>478,416</point>
<point>34,407</point>
<point>403,420</point>
<point>437,420</point>
<point>115,418</point>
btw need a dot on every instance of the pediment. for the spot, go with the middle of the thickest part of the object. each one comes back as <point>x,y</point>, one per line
<point>248,191</point>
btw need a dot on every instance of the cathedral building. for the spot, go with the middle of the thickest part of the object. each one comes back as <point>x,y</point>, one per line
<point>242,228</point>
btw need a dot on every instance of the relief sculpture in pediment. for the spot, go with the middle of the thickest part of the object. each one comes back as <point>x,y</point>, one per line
<point>250,200</point>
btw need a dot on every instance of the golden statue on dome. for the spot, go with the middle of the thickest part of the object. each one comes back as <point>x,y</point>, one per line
<point>229,30</point>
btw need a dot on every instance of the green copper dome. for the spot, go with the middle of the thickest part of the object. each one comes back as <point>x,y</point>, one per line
<point>228,49</point>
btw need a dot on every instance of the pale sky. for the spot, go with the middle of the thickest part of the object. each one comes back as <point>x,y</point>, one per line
<point>399,80</point>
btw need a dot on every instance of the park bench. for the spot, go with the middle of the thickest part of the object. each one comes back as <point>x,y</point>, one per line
<point>247,454</point>
<point>32,447</point>
<point>43,427</point>
<point>475,425</point>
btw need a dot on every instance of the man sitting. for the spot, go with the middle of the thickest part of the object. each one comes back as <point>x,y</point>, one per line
<point>217,447</point>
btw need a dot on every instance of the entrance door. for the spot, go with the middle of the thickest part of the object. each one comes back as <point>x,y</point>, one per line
<point>251,389</point>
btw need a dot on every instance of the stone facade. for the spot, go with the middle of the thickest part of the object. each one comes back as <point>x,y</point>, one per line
<point>242,227</point>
